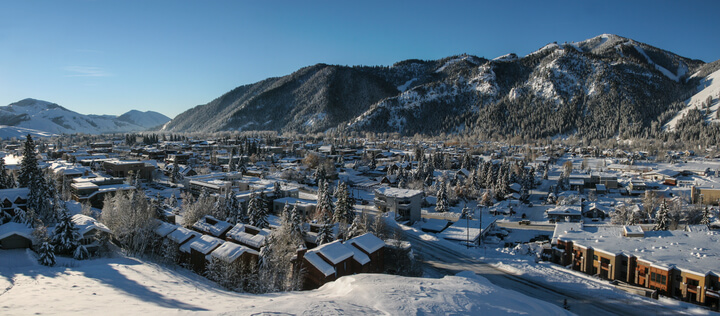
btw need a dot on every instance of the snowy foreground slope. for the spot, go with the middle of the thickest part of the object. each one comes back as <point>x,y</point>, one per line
<point>132,286</point>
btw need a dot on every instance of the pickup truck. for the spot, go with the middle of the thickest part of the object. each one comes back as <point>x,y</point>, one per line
<point>524,222</point>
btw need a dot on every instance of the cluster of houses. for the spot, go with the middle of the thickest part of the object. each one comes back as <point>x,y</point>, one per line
<point>241,243</point>
<point>684,263</point>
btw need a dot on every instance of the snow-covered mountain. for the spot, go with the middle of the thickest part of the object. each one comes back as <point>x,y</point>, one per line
<point>606,86</point>
<point>49,117</point>
<point>705,100</point>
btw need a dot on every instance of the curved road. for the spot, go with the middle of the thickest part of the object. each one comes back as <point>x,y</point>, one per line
<point>448,261</point>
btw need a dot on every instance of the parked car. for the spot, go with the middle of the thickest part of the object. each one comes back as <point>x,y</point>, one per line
<point>524,222</point>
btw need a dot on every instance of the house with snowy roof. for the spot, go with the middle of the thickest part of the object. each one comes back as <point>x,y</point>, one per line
<point>10,199</point>
<point>90,230</point>
<point>197,249</point>
<point>212,226</point>
<point>15,235</point>
<point>405,203</point>
<point>232,253</point>
<point>326,263</point>
<point>247,235</point>
<point>367,253</point>
<point>680,264</point>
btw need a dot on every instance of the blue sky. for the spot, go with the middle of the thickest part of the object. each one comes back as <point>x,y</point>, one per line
<point>108,57</point>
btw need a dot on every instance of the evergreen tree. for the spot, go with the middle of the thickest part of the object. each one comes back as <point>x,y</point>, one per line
<point>296,223</point>
<point>66,236</point>
<point>29,168</point>
<point>257,213</point>
<point>705,220</point>
<point>175,174</point>
<point>442,205</point>
<point>324,202</point>
<point>47,254</point>
<point>277,191</point>
<point>5,179</point>
<point>357,228</point>
<point>343,210</point>
<point>661,220</point>
<point>325,235</point>
<point>172,201</point>
<point>81,253</point>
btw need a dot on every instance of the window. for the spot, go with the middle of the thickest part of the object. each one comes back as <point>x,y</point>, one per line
<point>663,279</point>
<point>652,276</point>
<point>595,257</point>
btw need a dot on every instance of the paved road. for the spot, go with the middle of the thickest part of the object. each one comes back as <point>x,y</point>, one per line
<point>448,261</point>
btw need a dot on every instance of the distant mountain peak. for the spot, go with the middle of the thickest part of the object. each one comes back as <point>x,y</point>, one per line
<point>50,118</point>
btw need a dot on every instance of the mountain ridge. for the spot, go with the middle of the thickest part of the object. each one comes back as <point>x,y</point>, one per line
<point>606,86</point>
<point>51,118</point>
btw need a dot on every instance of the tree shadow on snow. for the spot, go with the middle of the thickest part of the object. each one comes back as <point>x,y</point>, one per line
<point>108,274</point>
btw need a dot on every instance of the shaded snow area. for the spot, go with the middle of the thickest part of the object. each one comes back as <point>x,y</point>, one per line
<point>406,85</point>
<point>709,87</point>
<point>7,132</point>
<point>681,71</point>
<point>131,286</point>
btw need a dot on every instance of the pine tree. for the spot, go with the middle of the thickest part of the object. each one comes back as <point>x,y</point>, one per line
<point>324,202</point>
<point>81,253</point>
<point>325,235</point>
<point>257,213</point>
<point>277,191</point>
<point>29,168</point>
<point>5,179</point>
<point>357,228</point>
<point>66,236</point>
<point>47,254</point>
<point>442,205</point>
<point>343,210</point>
<point>661,220</point>
<point>296,223</point>
<point>705,220</point>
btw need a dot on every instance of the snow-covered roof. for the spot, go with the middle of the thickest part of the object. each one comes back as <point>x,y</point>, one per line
<point>368,242</point>
<point>230,252</point>
<point>562,228</point>
<point>334,251</point>
<point>163,229</point>
<point>182,234</point>
<point>633,231</point>
<point>698,252</point>
<point>360,256</point>
<point>13,228</point>
<point>13,194</point>
<point>239,234</point>
<point>216,229</point>
<point>434,225</point>
<point>320,264</point>
<point>204,244</point>
<point>85,223</point>
<point>398,193</point>
<point>565,210</point>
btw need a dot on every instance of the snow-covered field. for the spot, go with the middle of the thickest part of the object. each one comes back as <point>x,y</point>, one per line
<point>123,285</point>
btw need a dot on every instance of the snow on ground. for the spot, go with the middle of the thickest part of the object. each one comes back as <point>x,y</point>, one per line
<point>407,84</point>
<point>709,87</point>
<point>123,285</point>
<point>7,132</point>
